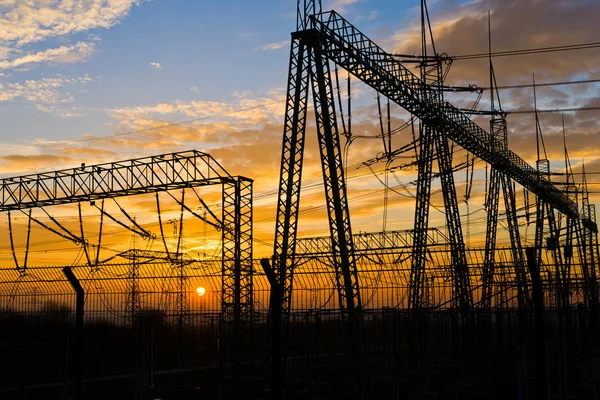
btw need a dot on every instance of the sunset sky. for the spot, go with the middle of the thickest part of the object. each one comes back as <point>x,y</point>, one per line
<point>78,78</point>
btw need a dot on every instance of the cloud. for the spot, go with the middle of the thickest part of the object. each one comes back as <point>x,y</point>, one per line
<point>42,92</point>
<point>246,108</point>
<point>24,22</point>
<point>64,112</point>
<point>195,88</point>
<point>78,52</point>
<point>342,5</point>
<point>273,46</point>
<point>516,24</point>
<point>22,162</point>
<point>155,65</point>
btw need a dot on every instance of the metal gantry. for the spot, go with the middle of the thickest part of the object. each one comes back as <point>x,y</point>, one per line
<point>327,36</point>
<point>160,173</point>
<point>347,47</point>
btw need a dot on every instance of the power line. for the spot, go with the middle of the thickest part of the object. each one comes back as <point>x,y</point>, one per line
<point>538,50</point>
<point>529,85</point>
<point>554,110</point>
<point>486,112</point>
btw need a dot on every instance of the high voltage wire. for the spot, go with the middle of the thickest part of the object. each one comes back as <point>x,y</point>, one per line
<point>554,110</point>
<point>530,85</point>
<point>537,50</point>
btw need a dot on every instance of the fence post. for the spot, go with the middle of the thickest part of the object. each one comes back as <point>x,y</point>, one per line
<point>538,312</point>
<point>78,353</point>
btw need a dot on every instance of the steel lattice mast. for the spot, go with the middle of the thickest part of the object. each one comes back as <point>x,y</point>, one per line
<point>308,62</point>
<point>498,179</point>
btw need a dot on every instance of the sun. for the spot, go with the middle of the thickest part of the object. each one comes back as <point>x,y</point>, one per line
<point>201,291</point>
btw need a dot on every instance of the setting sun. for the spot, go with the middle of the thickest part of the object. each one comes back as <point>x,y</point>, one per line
<point>201,291</point>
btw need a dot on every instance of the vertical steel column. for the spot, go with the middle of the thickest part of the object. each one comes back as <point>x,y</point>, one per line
<point>236,275</point>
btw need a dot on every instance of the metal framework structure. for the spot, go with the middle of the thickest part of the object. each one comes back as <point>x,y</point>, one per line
<point>324,37</point>
<point>160,173</point>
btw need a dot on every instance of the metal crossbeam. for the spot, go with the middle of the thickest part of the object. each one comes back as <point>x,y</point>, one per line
<point>349,48</point>
<point>366,241</point>
<point>121,178</point>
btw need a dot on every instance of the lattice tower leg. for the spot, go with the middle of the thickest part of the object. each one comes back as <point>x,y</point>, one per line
<point>337,205</point>
<point>493,198</point>
<point>462,284</point>
<point>419,248</point>
<point>515,241</point>
<point>539,231</point>
<point>562,295</point>
<point>432,75</point>
<point>290,179</point>
<point>580,235</point>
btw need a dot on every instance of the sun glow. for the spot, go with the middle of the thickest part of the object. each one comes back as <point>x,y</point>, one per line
<point>201,291</point>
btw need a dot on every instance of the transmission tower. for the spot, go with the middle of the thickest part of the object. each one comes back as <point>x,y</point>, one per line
<point>431,91</point>
<point>498,179</point>
<point>310,67</point>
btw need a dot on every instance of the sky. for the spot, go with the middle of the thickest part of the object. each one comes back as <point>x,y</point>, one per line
<point>80,78</point>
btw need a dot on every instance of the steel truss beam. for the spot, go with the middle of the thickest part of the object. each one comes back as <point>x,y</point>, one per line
<point>349,48</point>
<point>386,254</point>
<point>121,178</point>
<point>366,241</point>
